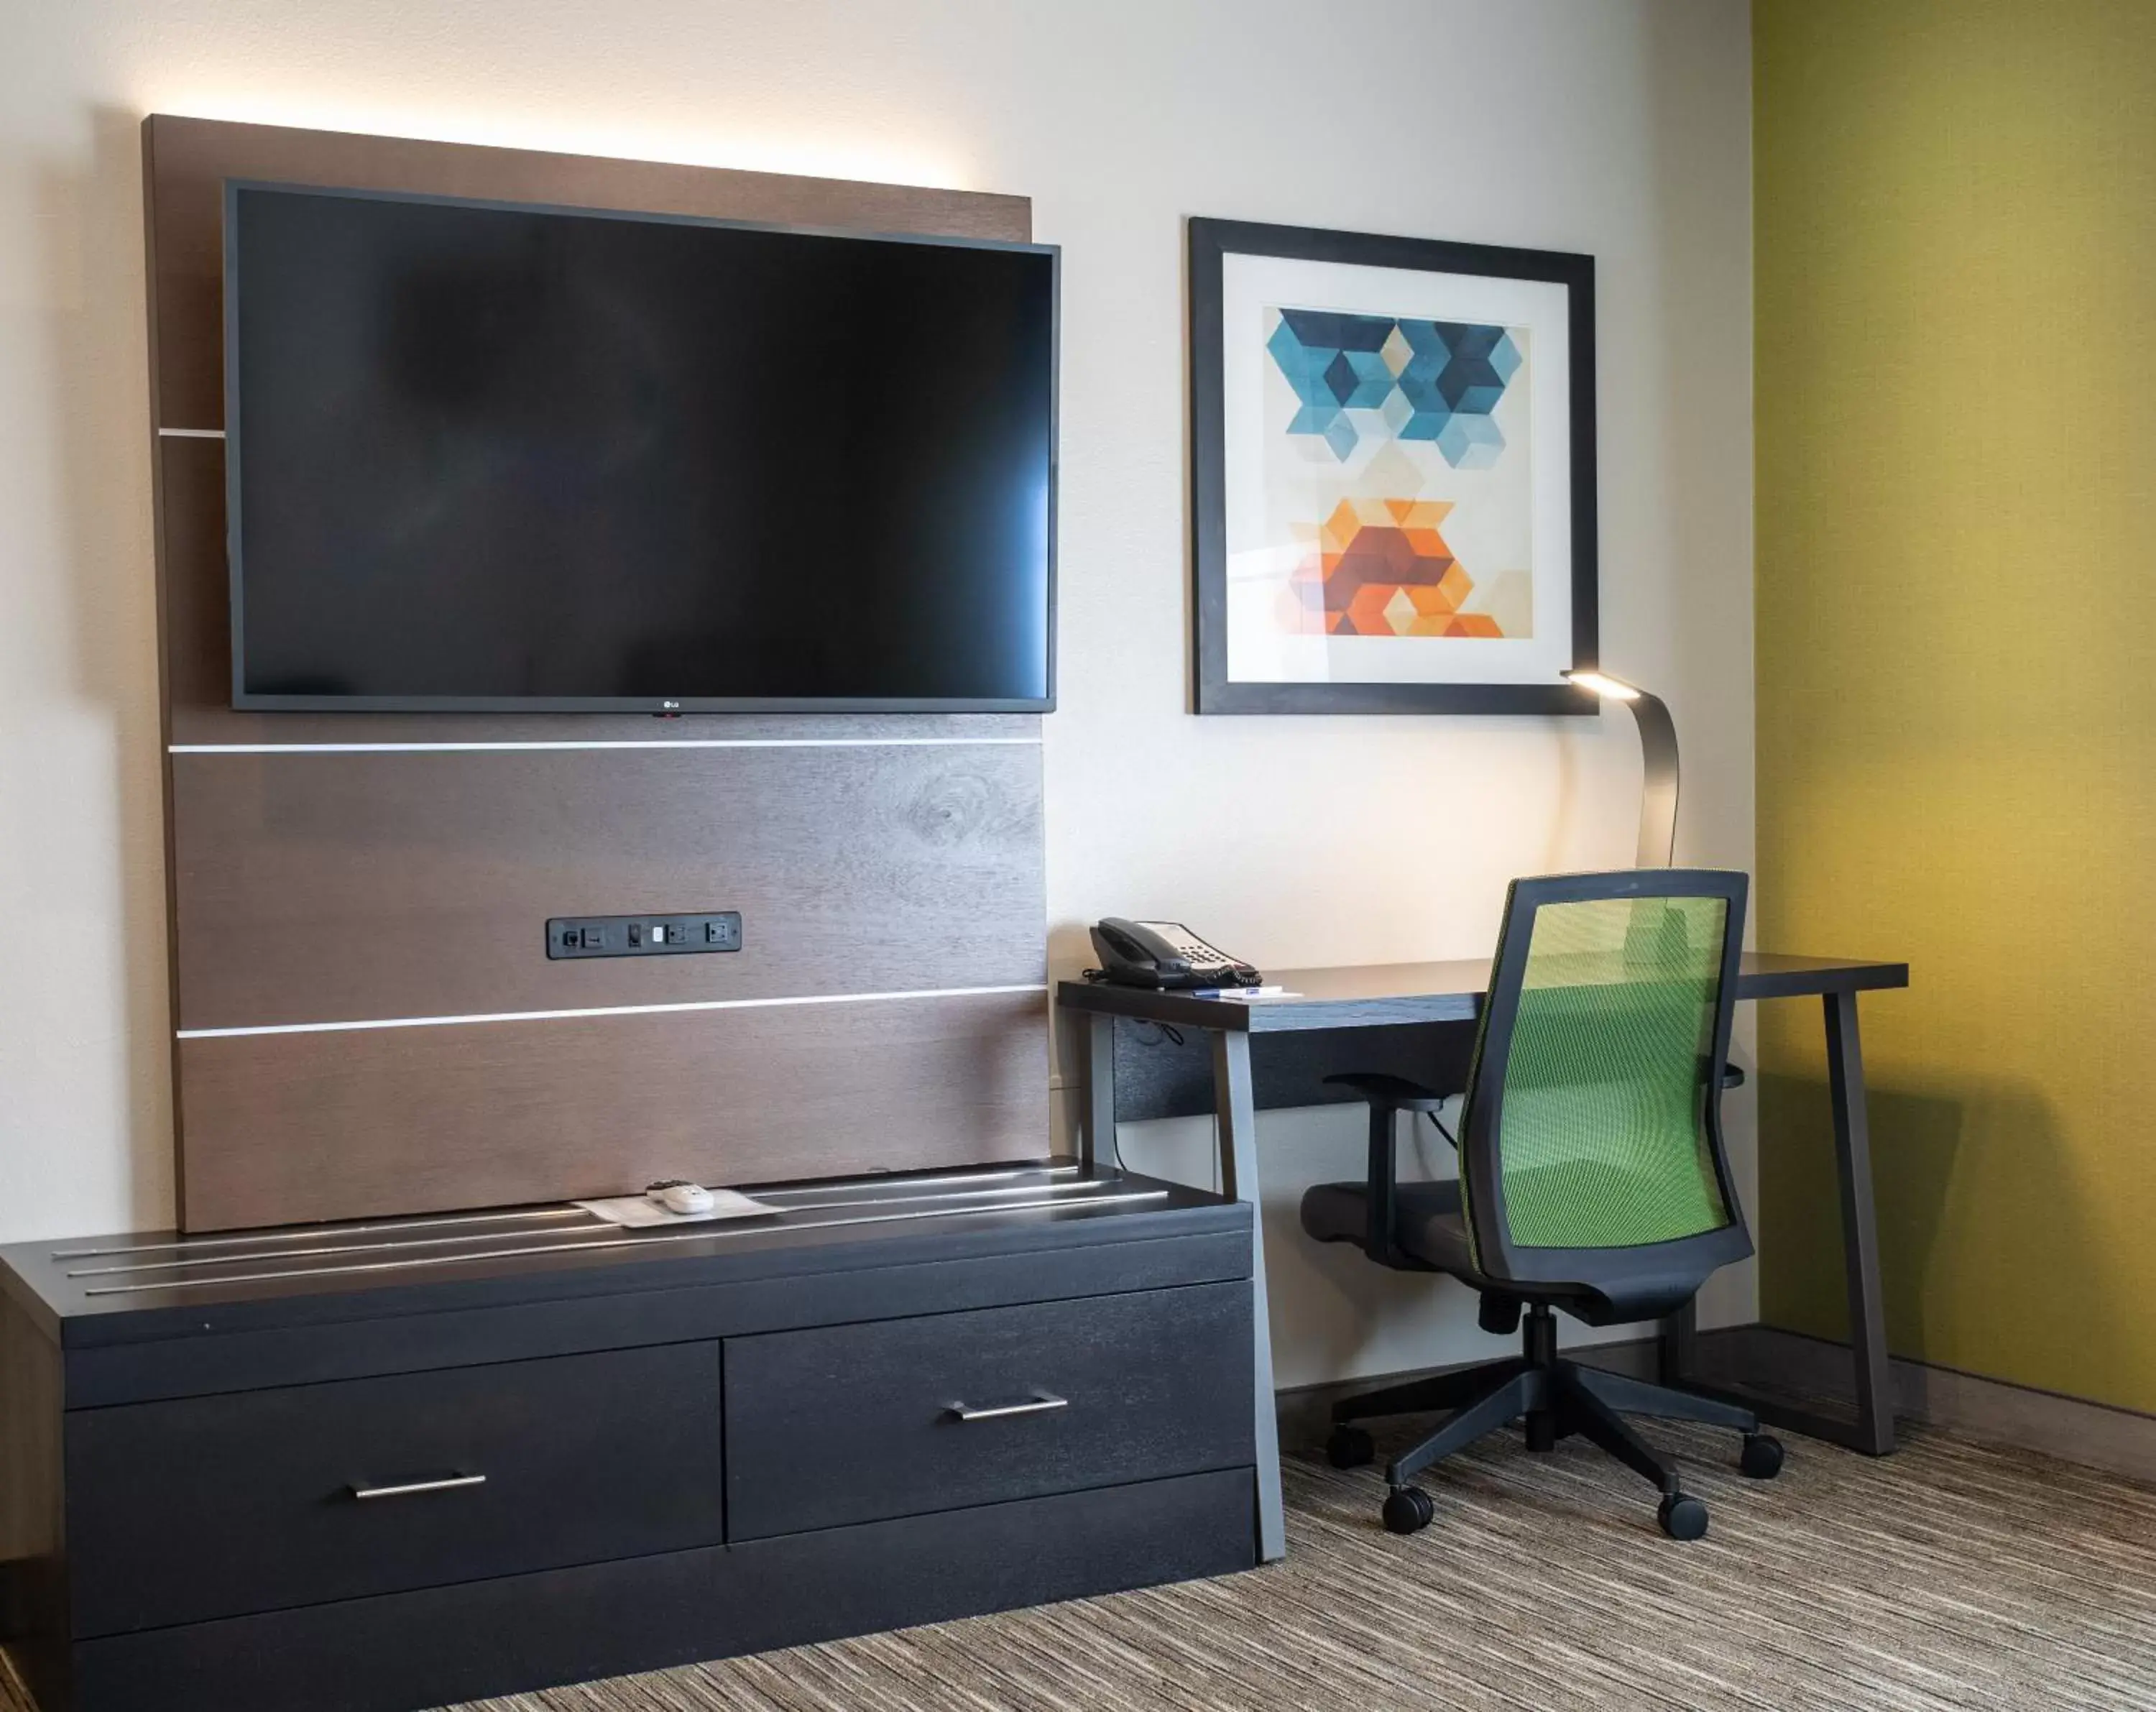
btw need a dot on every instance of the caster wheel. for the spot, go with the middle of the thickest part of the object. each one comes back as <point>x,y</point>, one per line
<point>1407,1510</point>
<point>1682,1517</point>
<point>1762,1456</point>
<point>1349,1446</point>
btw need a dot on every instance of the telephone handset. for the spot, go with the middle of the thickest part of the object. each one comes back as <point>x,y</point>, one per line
<point>1164,954</point>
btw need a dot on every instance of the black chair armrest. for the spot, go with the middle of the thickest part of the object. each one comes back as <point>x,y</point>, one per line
<point>1384,1095</point>
<point>1395,1091</point>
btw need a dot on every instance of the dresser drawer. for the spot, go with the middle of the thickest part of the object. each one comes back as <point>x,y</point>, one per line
<point>212,1506</point>
<point>859,1422</point>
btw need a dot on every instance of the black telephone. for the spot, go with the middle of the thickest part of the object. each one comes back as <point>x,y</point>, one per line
<point>1164,954</point>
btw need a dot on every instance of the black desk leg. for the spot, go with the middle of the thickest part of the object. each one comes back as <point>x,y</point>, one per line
<point>1872,1431</point>
<point>1860,1227</point>
<point>1236,1109</point>
<point>1097,1072</point>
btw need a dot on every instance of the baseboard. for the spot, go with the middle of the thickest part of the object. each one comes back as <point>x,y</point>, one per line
<point>1988,1411</point>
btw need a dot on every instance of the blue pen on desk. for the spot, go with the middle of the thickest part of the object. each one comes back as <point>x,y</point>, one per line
<point>1237,992</point>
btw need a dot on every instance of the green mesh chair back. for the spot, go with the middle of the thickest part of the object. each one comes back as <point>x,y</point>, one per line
<point>1593,1115</point>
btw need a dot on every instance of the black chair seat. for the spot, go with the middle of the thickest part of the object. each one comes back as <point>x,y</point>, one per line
<point>1427,1224</point>
<point>1430,1229</point>
<point>1396,1092</point>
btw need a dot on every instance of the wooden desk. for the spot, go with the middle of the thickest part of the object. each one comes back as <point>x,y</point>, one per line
<point>1416,995</point>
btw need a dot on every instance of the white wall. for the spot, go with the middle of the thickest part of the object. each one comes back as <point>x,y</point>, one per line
<point>1619,127</point>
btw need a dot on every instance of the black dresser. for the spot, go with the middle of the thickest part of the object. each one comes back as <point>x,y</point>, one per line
<point>395,1465</point>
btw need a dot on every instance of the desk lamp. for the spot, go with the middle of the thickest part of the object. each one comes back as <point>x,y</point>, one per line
<point>1658,747</point>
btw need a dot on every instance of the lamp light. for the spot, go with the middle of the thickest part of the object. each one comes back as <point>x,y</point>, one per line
<point>1658,749</point>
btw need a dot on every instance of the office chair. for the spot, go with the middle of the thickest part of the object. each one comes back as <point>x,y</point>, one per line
<point>1592,1175</point>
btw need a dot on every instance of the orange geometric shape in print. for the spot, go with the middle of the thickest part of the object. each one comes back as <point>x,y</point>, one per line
<point>1337,530</point>
<point>1365,614</point>
<point>1383,569</point>
<point>1438,600</point>
<point>1421,513</point>
<point>1383,555</point>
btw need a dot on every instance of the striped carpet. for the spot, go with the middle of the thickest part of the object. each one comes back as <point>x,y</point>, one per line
<point>1949,1576</point>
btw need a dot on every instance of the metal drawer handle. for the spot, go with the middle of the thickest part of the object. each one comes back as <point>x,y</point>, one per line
<point>411,1488</point>
<point>1041,1404</point>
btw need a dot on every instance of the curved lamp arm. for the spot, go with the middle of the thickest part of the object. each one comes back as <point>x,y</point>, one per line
<point>1658,748</point>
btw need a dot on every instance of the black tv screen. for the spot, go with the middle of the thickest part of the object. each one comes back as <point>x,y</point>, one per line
<point>498,456</point>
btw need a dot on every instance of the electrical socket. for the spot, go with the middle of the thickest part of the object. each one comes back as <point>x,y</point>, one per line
<point>569,937</point>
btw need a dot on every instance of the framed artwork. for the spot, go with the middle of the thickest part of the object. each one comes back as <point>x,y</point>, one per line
<point>1392,473</point>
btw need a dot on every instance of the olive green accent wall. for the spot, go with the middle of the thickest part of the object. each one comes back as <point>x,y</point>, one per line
<point>1955,208</point>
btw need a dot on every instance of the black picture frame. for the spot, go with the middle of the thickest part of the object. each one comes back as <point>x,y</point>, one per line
<point>1210,241</point>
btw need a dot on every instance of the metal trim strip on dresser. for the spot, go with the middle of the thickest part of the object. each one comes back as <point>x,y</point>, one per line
<point>314,1233</point>
<point>322,1028</point>
<point>537,743</point>
<point>922,1186</point>
<point>704,1232</point>
<point>597,1227</point>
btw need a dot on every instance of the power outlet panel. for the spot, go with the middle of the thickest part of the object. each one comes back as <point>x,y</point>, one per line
<point>642,936</point>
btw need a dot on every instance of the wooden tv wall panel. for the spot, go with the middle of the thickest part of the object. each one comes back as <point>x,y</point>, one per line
<point>888,1009</point>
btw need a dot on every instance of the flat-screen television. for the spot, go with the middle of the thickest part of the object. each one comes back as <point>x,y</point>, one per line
<point>496,457</point>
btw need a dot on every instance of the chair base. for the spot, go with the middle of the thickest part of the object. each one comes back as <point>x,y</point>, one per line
<point>1554,1399</point>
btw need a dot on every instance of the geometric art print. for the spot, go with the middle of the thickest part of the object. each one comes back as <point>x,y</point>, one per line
<point>1391,473</point>
<point>1392,425</point>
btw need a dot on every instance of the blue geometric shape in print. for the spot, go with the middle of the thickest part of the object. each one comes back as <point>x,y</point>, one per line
<point>1334,362</point>
<point>1423,422</point>
<point>1470,441</point>
<point>1505,357</point>
<point>1419,380</point>
<point>1340,378</point>
<point>1372,382</point>
<point>1456,375</point>
<point>1303,366</point>
<point>1336,330</point>
<point>1469,382</point>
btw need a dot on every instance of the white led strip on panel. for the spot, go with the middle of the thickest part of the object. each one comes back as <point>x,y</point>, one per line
<point>320,1028</point>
